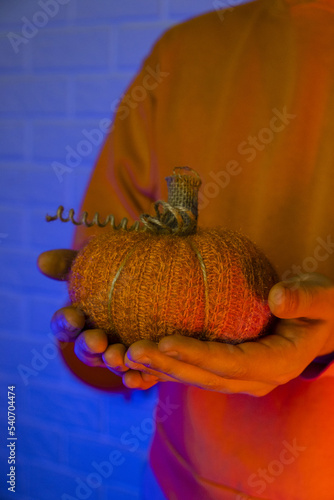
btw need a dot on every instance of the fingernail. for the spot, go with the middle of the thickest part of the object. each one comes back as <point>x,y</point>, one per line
<point>60,324</point>
<point>277,296</point>
<point>85,347</point>
<point>142,361</point>
<point>172,354</point>
<point>63,323</point>
<point>118,369</point>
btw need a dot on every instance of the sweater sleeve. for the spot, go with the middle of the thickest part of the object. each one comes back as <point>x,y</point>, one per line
<point>318,367</point>
<point>123,182</point>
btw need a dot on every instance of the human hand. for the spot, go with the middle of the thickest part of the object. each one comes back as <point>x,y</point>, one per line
<point>305,330</point>
<point>91,345</point>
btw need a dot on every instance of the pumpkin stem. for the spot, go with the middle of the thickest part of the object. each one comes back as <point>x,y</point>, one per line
<point>179,214</point>
<point>176,216</point>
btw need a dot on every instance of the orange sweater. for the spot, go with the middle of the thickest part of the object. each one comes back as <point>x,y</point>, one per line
<point>246,98</point>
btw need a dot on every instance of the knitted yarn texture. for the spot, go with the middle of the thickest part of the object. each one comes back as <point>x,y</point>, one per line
<point>170,277</point>
<point>138,285</point>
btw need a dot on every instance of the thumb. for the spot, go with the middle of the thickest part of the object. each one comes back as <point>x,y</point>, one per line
<point>305,296</point>
<point>56,264</point>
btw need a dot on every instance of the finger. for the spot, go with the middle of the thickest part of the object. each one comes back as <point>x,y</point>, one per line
<point>67,323</point>
<point>145,369</point>
<point>226,360</point>
<point>165,356</point>
<point>150,379</point>
<point>56,263</point>
<point>113,358</point>
<point>178,371</point>
<point>273,359</point>
<point>246,361</point>
<point>89,347</point>
<point>306,296</point>
<point>136,362</point>
<point>137,380</point>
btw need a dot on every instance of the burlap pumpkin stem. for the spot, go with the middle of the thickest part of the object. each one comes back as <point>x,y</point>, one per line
<point>165,275</point>
<point>179,215</point>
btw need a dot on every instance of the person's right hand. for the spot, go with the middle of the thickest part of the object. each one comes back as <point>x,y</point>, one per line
<point>91,345</point>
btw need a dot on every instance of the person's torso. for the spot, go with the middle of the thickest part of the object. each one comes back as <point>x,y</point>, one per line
<point>249,104</point>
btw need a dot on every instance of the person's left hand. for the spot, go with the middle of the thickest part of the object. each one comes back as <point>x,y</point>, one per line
<point>305,331</point>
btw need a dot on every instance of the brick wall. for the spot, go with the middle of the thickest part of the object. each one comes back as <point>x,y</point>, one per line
<point>62,64</point>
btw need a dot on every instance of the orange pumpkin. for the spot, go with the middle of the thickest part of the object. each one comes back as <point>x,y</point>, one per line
<point>167,276</point>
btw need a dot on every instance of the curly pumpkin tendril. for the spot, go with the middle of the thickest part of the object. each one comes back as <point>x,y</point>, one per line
<point>110,219</point>
<point>177,216</point>
<point>171,220</point>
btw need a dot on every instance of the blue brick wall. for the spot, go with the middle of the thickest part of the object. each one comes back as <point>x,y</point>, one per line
<point>62,65</point>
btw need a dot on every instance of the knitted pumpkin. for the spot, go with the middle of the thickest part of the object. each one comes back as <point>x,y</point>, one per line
<point>167,276</point>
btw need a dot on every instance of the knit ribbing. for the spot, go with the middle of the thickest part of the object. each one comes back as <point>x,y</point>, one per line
<point>158,286</point>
